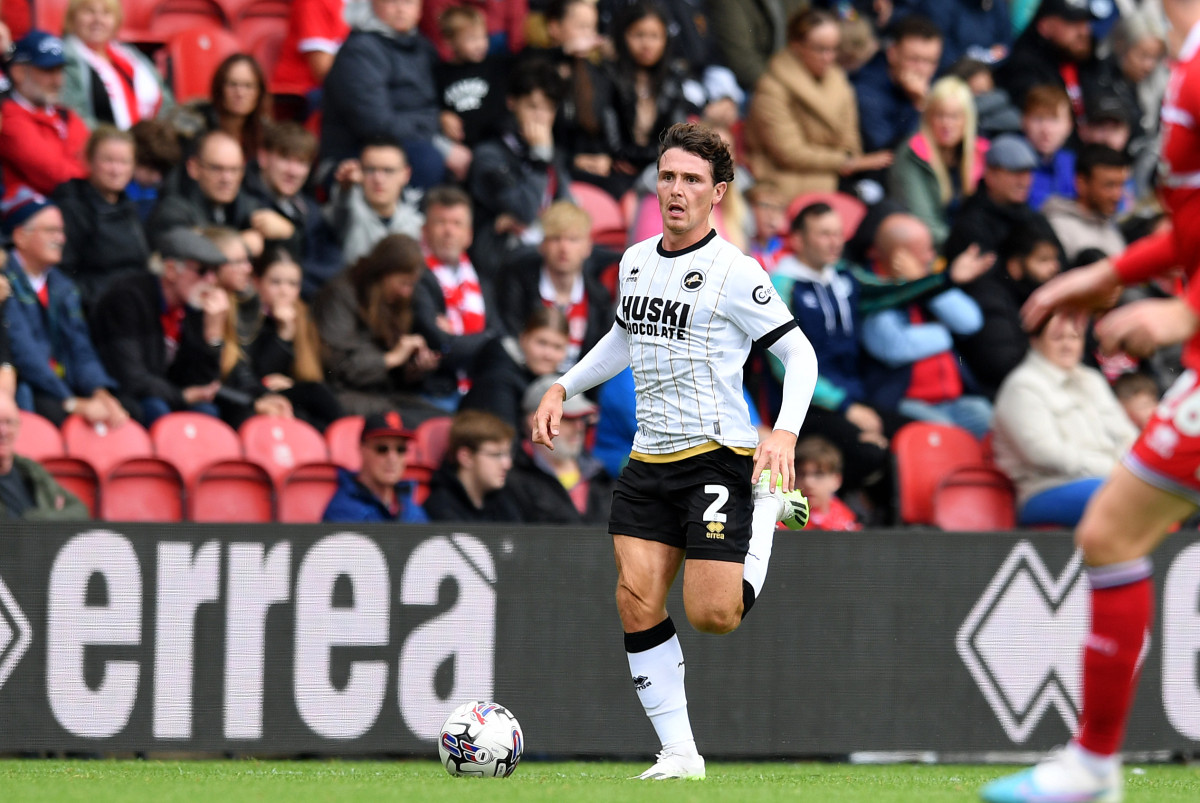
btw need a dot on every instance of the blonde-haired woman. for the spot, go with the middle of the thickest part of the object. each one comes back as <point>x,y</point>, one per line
<point>942,163</point>
<point>107,81</point>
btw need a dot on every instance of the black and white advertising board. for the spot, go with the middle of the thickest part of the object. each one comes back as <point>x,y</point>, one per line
<point>341,640</point>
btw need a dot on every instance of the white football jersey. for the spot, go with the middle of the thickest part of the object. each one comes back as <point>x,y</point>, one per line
<point>691,316</point>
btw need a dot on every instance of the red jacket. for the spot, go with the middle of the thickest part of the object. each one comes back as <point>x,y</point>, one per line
<point>40,149</point>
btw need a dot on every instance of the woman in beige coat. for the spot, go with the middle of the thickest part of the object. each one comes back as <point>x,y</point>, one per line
<point>802,129</point>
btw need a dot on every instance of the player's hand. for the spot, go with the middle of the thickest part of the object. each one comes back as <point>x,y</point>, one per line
<point>548,414</point>
<point>1141,328</point>
<point>777,453</point>
<point>1085,289</point>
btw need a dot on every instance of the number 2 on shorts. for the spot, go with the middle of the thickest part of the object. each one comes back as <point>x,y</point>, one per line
<point>713,511</point>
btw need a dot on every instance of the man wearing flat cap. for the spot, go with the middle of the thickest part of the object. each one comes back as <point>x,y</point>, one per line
<point>160,334</point>
<point>1056,49</point>
<point>41,141</point>
<point>58,369</point>
<point>377,493</point>
<point>567,485</point>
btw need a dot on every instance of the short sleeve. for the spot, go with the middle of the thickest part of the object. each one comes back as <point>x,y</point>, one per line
<point>753,304</point>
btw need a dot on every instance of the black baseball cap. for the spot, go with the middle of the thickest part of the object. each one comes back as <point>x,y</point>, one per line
<point>384,425</point>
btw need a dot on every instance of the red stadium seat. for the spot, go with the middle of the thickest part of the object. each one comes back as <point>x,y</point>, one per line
<point>191,441</point>
<point>306,491</point>
<point>38,438</point>
<point>851,210</point>
<point>172,17</point>
<point>431,439</point>
<point>925,455</point>
<point>192,56</point>
<point>77,476</point>
<point>232,491</point>
<point>238,10</point>
<point>975,499</point>
<point>262,38</point>
<point>342,437</point>
<point>49,15</point>
<point>281,444</point>
<point>104,446</point>
<point>142,489</point>
<point>609,226</point>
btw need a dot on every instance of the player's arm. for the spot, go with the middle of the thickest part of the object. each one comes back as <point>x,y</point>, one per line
<point>609,357</point>
<point>778,451</point>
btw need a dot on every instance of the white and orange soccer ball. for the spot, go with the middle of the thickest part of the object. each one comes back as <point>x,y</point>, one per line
<point>481,740</point>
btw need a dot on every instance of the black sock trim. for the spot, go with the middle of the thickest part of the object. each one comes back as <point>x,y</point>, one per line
<point>748,597</point>
<point>644,640</point>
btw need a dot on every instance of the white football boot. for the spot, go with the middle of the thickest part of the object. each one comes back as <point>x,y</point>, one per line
<point>1064,777</point>
<point>672,764</point>
<point>793,505</point>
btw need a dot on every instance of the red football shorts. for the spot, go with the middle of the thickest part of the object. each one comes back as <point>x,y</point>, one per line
<point>1167,454</point>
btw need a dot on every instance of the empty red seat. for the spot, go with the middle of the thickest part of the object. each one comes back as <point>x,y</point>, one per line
<point>191,441</point>
<point>105,446</point>
<point>609,226</point>
<point>430,441</point>
<point>142,489</point>
<point>77,476</point>
<point>38,438</point>
<point>925,455</point>
<point>306,492</point>
<point>191,57</point>
<point>231,491</point>
<point>342,438</point>
<point>281,444</point>
<point>975,499</point>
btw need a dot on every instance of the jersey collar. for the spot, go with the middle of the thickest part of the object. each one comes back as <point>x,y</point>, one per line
<point>696,246</point>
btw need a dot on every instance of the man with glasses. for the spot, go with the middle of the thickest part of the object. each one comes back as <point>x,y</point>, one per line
<point>212,195</point>
<point>471,486</point>
<point>367,201</point>
<point>160,333</point>
<point>376,493</point>
<point>52,350</point>
<point>27,491</point>
<point>41,141</point>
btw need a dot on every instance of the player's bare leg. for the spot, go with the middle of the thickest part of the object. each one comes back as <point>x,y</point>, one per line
<point>1125,521</point>
<point>645,571</point>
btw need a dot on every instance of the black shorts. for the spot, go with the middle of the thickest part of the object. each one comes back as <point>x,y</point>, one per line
<point>702,504</point>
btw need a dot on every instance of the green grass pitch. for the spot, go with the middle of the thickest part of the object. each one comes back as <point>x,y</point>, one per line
<point>251,781</point>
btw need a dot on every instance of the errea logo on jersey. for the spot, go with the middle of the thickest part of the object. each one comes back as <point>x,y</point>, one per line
<point>656,317</point>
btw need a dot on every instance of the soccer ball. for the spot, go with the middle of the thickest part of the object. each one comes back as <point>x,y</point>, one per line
<point>481,739</point>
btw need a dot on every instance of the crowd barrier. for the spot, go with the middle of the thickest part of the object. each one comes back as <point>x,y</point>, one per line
<point>349,640</point>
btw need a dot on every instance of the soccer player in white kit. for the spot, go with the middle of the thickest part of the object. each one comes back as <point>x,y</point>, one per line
<point>690,305</point>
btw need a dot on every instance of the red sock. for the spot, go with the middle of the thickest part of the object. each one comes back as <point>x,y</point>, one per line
<point>1120,620</point>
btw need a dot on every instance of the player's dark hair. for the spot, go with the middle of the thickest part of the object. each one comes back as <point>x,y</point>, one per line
<point>1093,156</point>
<point>534,74</point>
<point>913,26</point>
<point>700,140</point>
<point>815,209</point>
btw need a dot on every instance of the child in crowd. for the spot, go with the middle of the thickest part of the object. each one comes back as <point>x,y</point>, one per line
<point>157,153</point>
<point>769,207</point>
<point>471,84</point>
<point>995,113</point>
<point>1047,123</point>
<point>819,475</point>
<point>1138,394</point>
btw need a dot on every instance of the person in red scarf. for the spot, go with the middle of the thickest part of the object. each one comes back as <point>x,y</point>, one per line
<point>41,142</point>
<point>108,81</point>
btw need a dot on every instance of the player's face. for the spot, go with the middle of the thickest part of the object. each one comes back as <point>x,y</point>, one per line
<point>383,460</point>
<point>823,240</point>
<point>544,350</point>
<point>1061,342</point>
<point>686,193</point>
<point>491,464</point>
<point>448,232</point>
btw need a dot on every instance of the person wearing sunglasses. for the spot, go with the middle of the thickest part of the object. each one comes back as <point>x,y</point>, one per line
<point>376,493</point>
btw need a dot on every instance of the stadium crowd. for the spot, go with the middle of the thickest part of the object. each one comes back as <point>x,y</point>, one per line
<point>411,213</point>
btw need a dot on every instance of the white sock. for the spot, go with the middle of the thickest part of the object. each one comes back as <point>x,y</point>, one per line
<point>762,538</point>
<point>656,664</point>
<point>1099,765</point>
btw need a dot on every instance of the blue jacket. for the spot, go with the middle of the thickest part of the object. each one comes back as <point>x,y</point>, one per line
<point>1053,176</point>
<point>59,333</point>
<point>354,503</point>
<point>885,114</point>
